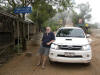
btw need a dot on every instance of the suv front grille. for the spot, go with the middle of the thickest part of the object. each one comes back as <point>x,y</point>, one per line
<point>75,56</point>
<point>68,47</point>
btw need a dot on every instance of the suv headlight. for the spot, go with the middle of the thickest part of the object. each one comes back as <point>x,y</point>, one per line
<point>86,47</point>
<point>54,46</point>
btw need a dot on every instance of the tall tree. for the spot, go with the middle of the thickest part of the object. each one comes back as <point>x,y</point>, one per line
<point>43,9</point>
<point>41,12</point>
<point>83,14</point>
<point>85,11</point>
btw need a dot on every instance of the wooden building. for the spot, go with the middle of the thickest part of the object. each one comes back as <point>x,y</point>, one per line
<point>12,29</point>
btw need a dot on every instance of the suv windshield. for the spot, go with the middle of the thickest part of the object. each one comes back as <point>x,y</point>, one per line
<point>70,33</point>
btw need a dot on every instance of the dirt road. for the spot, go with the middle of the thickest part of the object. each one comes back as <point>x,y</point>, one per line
<point>23,65</point>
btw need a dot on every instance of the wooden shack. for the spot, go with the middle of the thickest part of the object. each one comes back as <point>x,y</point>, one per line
<point>10,31</point>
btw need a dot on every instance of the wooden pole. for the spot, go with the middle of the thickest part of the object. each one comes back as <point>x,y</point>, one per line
<point>28,31</point>
<point>18,34</point>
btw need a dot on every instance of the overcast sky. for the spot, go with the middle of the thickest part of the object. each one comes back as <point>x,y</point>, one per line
<point>95,5</point>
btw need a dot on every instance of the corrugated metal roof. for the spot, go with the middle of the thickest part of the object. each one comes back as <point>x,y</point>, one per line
<point>14,17</point>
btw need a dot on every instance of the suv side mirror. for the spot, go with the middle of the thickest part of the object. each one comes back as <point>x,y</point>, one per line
<point>88,35</point>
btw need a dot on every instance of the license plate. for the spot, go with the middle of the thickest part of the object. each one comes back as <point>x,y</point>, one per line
<point>69,54</point>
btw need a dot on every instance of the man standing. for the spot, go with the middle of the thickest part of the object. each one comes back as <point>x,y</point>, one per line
<point>47,40</point>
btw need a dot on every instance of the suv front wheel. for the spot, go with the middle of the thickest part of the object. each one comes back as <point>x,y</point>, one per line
<point>87,64</point>
<point>51,62</point>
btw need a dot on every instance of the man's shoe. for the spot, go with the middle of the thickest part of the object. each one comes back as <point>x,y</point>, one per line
<point>38,64</point>
<point>43,67</point>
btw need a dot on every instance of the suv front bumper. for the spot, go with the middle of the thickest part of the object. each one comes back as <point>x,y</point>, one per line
<point>78,57</point>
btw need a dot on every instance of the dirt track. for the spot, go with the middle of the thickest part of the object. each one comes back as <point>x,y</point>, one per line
<point>23,65</point>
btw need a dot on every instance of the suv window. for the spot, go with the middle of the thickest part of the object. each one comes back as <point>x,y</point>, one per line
<point>70,33</point>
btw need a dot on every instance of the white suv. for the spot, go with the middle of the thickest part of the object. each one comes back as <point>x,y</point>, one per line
<point>71,46</point>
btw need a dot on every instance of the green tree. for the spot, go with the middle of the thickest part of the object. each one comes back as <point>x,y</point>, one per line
<point>75,18</point>
<point>52,23</point>
<point>41,12</point>
<point>43,9</point>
